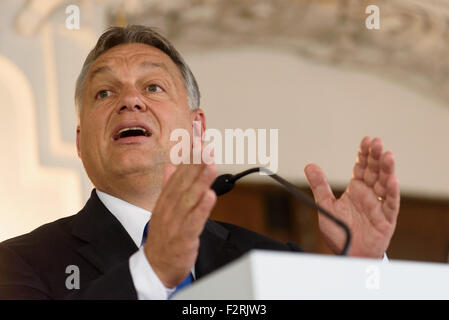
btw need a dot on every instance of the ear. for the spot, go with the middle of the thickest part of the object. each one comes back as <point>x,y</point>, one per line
<point>198,123</point>
<point>78,140</point>
<point>198,115</point>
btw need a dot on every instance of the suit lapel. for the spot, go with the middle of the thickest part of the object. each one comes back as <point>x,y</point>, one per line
<point>108,243</point>
<point>215,249</point>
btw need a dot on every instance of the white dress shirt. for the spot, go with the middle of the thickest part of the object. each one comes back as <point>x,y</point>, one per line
<point>133,219</point>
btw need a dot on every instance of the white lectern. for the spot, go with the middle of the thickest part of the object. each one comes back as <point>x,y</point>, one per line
<point>269,275</point>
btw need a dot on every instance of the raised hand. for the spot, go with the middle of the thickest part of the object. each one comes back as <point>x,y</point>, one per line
<point>369,205</point>
<point>178,219</point>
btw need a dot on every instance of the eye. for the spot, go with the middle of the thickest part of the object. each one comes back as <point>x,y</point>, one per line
<point>153,88</point>
<point>103,94</point>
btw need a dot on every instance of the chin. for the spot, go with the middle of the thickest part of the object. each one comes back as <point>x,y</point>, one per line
<point>134,162</point>
<point>134,167</point>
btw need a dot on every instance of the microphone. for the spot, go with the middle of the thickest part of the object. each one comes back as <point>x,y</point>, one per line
<point>226,182</point>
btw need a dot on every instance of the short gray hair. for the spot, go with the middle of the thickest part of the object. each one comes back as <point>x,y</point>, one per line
<point>115,36</point>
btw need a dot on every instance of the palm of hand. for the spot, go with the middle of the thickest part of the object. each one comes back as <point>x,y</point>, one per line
<point>369,205</point>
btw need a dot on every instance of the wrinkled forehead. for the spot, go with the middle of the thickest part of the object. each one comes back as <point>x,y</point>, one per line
<point>134,56</point>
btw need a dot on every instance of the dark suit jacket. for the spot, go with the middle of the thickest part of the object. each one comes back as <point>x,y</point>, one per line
<point>33,265</point>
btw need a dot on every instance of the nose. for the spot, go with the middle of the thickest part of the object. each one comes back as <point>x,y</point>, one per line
<point>131,101</point>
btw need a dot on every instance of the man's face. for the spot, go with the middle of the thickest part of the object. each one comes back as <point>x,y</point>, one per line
<point>133,98</point>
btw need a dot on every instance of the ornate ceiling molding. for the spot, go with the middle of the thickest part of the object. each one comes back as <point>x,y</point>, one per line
<point>411,45</point>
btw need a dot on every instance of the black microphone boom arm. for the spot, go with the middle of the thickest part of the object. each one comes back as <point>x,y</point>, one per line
<point>226,182</point>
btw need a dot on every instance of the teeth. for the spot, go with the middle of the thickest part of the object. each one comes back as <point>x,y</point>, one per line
<point>132,128</point>
<point>145,132</point>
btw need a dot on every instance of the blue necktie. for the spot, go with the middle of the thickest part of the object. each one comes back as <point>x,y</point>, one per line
<point>186,282</point>
<point>145,234</point>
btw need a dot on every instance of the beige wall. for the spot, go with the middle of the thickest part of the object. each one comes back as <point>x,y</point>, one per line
<point>322,113</point>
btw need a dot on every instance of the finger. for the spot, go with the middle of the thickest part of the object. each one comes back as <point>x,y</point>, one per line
<point>371,173</point>
<point>178,183</point>
<point>208,154</point>
<point>193,195</point>
<point>197,218</point>
<point>386,167</point>
<point>362,159</point>
<point>392,201</point>
<point>169,169</point>
<point>320,187</point>
<point>386,170</point>
<point>181,180</point>
<point>184,175</point>
<point>380,190</point>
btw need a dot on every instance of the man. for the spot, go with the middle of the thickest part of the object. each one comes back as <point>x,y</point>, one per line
<point>133,91</point>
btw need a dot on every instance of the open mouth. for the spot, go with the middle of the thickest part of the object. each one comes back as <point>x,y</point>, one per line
<point>132,132</point>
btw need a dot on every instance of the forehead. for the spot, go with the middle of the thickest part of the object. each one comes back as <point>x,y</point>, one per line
<point>134,54</point>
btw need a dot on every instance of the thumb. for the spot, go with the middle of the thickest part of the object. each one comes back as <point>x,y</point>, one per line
<point>317,180</point>
<point>169,169</point>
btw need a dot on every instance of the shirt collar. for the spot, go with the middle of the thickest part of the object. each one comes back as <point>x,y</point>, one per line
<point>132,218</point>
